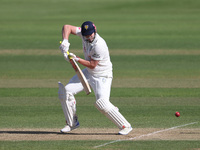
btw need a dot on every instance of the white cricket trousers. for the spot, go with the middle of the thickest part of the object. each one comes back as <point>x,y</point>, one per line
<point>100,85</point>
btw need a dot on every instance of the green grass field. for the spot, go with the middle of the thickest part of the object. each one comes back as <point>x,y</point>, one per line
<point>154,47</point>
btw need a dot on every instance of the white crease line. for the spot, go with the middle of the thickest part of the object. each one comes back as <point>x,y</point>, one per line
<point>145,135</point>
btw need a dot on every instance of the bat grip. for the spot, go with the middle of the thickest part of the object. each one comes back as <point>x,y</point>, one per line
<point>68,55</point>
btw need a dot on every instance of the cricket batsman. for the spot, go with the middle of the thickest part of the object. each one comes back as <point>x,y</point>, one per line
<point>98,73</point>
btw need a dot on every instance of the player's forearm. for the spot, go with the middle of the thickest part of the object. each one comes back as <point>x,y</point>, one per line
<point>90,64</point>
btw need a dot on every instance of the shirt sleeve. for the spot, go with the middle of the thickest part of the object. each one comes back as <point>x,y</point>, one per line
<point>78,31</point>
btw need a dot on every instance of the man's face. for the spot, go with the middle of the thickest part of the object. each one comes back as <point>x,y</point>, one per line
<point>89,38</point>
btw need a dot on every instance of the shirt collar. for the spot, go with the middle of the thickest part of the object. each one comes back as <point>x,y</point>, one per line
<point>95,39</point>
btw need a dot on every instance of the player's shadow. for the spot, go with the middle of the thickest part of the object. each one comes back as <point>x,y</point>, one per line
<point>48,132</point>
<point>90,133</point>
<point>28,132</point>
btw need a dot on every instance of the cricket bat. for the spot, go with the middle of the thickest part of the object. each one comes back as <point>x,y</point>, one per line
<point>80,75</point>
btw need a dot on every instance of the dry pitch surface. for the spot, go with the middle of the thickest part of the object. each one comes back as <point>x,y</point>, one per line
<point>99,134</point>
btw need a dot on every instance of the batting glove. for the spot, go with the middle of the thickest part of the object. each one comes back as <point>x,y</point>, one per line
<point>64,46</point>
<point>73,56</point>
<point>66,57</point>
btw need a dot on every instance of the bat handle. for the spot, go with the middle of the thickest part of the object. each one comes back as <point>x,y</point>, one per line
<point>68,55</point>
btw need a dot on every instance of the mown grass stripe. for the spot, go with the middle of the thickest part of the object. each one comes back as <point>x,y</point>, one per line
<point>128,52</point>
<point>117,83</point>
<point>116,92</point>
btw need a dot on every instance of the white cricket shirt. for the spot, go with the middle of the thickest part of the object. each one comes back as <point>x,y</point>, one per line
<point>97,50</point>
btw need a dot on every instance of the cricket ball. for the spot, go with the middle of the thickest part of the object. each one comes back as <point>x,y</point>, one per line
<point>177,114</point>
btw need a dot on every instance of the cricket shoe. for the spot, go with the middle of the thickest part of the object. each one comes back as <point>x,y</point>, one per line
<point>67,128</point>
<point>125,131</point>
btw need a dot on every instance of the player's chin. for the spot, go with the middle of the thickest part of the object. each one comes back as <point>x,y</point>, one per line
<point>90,40</point>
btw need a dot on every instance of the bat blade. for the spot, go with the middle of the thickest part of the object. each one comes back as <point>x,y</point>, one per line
<point>81,76</point>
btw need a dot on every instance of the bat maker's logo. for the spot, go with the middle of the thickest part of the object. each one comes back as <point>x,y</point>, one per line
<point>86,27</point>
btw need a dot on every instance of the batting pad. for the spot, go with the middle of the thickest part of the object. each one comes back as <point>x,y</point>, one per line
<point>68,103</point>
<point>112,113</point>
